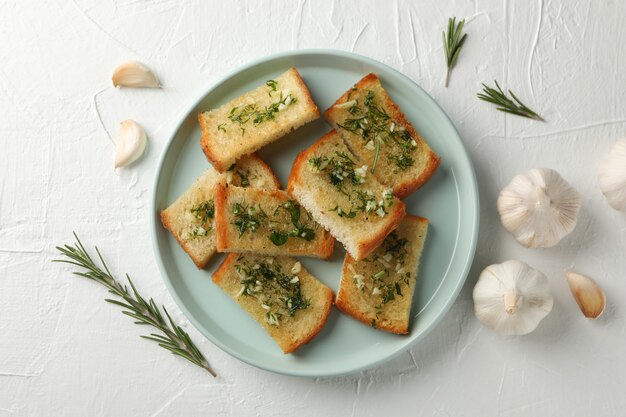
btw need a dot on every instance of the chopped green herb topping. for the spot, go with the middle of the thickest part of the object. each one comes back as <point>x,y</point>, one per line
<point>279,292</point>
<point>396,246</point>
<point>377,128</point>
<point>342,213</point>
<point>251,112</point>
<point>204,211</point>
<point>222,127</point>
<point>386,283</point>
<point>271,84</point>
<point>197,232</point>
<point>244,178</point>
<point>248,218</point>
<point>342,173</point>
<point>341,170</point>
<point>251,218</point>
<point>279,237</point>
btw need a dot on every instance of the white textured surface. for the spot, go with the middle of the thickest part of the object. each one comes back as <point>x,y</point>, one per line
<point>63,351</point>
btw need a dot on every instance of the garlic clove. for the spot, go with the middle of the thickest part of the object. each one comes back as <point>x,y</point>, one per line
<point>130,144</point>
<point>589,297</point>
<point>612,176</point>
<point>134,74</point>
<point>539,208</point>
<point>512,298</point>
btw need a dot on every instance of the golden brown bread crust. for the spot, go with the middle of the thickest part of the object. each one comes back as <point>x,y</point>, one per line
<point>365,248</point>
<point>206,148</point>
<point>267,168</point>
<point>221,270</point>
<point>405,188</point>
<point>206,137</point>
<point>294,176</point>
<point>314,331</point>
<point>342,300</point>
<point>345,307</point>
<point>371,77</point>
<point>323,249</point>
<point>306,91</point>
<point>166,223</point>
<point>201,262</point>
<point>396,215</point>
<point>343,303</point>
<point>231,259</point>
<point>221,235</point>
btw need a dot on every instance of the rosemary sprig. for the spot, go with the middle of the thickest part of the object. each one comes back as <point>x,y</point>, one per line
<point>452,44</point>
<point>505,104</point>
<point>173,337</point>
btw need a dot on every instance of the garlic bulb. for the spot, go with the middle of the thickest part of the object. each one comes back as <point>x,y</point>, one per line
<point>512,298</point>
<point>587,294</point>
<point>539,208</point>
<point>134,74</point>
<point>612,176</point>
<point>130,144</point>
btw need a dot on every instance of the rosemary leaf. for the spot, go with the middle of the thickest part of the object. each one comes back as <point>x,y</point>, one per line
<point>505,104</point>
<point>376,155</point>
<point>173,337</point>
<point>452,44</point>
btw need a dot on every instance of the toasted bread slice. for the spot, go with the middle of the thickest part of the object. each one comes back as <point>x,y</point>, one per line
<point>190,217</point>
<point>364,116</point>
<point>379,289</point>
<point>287,301</point>
<point>255,119</point>
<point>343,197</point>
<point>267,222</point>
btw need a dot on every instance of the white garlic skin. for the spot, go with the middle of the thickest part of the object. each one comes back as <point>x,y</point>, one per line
<point>130,144</point>
<point>512,298</point>
<point>539,208</point>
<point>612,176</point>
<point>134,74</point>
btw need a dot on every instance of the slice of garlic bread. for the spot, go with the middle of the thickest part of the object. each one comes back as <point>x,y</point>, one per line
<point>255,119</point>
<point>190,218</point>
<point>344,197</point>
<point>378,290</point>
<point>367,120</point>
<point>267,222</point>
<point>287,301</point>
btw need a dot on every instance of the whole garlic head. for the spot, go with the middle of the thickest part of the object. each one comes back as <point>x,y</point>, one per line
<point>612,176</point>
<point>539,208</point>
<point>130,144</point>
<point>512,298</point>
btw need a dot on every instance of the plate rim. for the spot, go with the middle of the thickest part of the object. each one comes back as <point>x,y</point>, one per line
<point>155,218</point>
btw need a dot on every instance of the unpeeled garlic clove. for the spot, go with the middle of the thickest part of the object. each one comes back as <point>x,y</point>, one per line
<point>134,74</point>
<point>612,176</point>
<point>587,294</point>
<point>130,144</point>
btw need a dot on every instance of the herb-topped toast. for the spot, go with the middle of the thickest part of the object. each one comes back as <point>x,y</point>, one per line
<point>190,218</point>
<point>379,134</point>
<point>267,222</point>
<point>343,196</point>
<point>287,301</point>
<point>378,290</point>
<point>255,119</point>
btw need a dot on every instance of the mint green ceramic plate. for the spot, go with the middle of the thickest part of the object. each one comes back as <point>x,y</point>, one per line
<point>449,200</point>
